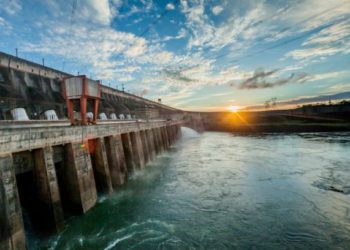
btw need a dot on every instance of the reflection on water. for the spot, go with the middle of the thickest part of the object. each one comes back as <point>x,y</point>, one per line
<point>225,191</point>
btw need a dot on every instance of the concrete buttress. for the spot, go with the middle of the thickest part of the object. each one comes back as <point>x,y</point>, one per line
<point>145,146</point>
<point>47,189</point>
<point>170,133</point>
<point>100,165</point>
<point>80,177</point>
<point>12,234</point>
<point>160,139</point>
<point>165,137</point>
<point>156,141</point>
<point>116,160</point>
<point>129,154</point>
<point>150,143</point>
<point>137,149</point>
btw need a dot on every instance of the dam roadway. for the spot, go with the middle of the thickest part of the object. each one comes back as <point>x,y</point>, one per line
<point>52,169</point>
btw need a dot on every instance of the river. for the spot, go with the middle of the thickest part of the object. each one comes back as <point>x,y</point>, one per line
<point>226,191</point>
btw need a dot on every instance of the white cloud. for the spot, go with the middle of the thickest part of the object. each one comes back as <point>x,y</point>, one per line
<point>236,31</point>
<point>217,10</point>
<point>201,74</point>
<point>182,34</point>
<point>5,26</point>
<point>137,48</point>
<point>97,10</point>
<point>329,75</point>
<point>328,42</point>
<point>100,12</point>
<point>331,34</point>
<point>170,6</point>
<point>337,88</point>
<point>125,78</point>
<point>309,53</point>
<point>315,12</point>
<point>147,7</point>
<point>104,52</point>
<point>262,22</point>
<point>163,57</point>
<point>10,7</point>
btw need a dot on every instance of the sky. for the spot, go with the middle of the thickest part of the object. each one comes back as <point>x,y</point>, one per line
<point>203,55</point>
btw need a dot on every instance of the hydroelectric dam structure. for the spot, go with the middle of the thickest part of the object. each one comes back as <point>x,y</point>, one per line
<point>53,164</point>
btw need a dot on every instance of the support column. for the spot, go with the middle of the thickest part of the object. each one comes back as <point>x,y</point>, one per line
<point>100,165</point>
<point>129,154</point>
<point>170,133</point>
<point>81,185</point>
<point>12,234</point>
<point>165,137</point>
<point>116,160</point>
<point>48,193</point>
<point>145,147</point>
<point>174,128</point>
<point>160,140</point>
<point>137,149</point>
<point>150,143</point>
<point>155,140</point>
<point>178,132</point>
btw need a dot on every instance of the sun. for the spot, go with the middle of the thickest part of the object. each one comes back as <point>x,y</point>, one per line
<point>233,109</point>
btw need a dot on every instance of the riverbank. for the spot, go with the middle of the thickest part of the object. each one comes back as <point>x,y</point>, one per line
<point>281,128</point>
<point>275,122</point>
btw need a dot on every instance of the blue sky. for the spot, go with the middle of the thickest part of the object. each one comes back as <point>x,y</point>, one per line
<point>197,54</point>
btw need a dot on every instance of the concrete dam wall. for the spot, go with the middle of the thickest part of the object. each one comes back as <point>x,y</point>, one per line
<point>38,88</point>
<point>54,171</point>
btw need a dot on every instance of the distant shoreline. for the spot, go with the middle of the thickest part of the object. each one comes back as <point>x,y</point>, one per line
<point>329,118</point>
<point>282,128</point>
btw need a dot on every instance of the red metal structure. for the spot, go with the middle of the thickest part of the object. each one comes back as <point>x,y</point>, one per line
<point>82,89</point>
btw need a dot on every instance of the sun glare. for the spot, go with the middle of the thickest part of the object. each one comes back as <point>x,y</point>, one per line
<point>233,108</point>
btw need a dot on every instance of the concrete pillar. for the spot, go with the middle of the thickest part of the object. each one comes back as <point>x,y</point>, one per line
<point>137,149</point>
<point>81,187</point>
<point>165,137</point>
<point>129,154</point>
<point>175,133</point>
<point>145,147</point>
<point>100,165</point>
<point>171,135</point>
<point>180,131</point>
<point>12,234</point>
<point>160,139</point>
<point>46,186</point>
<point>116,160</point>
<point>150,143</point>
<point>156,146</point>
<point>168,135</point>
<point>156,140</point>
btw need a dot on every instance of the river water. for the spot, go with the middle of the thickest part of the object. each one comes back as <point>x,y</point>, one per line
<point>226,191</point>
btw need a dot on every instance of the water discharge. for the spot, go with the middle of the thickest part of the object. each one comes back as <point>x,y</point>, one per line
<point>226,191</point>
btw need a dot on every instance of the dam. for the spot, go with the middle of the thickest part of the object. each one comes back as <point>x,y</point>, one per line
<point>54,168</point>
